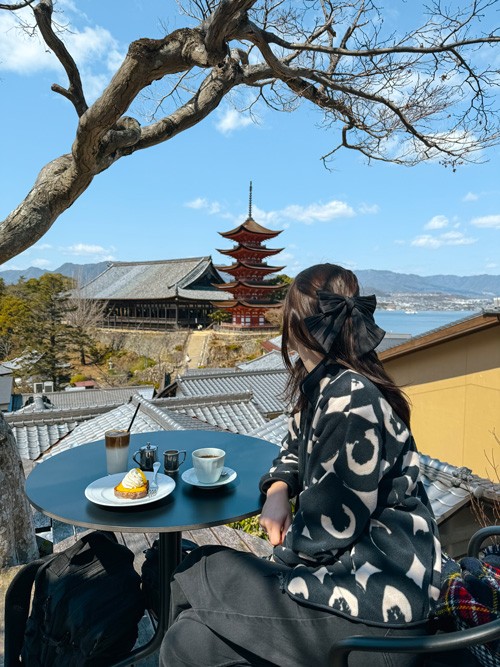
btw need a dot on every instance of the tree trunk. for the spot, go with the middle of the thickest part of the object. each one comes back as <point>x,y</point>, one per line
<point>17,532</point>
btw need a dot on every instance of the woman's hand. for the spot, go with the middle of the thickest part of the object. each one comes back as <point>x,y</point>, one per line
<point>276,514</point>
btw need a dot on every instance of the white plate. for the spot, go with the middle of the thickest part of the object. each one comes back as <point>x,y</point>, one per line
<point>101,491</point>
<point>189,476</point>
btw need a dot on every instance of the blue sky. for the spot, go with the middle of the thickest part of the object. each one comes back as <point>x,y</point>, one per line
<point>172,200</point>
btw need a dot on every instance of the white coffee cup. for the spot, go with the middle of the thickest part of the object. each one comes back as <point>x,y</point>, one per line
<point>208,463</point>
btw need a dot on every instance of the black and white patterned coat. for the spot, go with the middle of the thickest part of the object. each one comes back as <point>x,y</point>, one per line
<point>363,541</point>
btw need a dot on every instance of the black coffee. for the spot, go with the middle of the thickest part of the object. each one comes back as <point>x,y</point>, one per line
<point>208,456</point>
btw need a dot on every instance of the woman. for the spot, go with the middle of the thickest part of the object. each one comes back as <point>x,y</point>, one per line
<point>361,554</point>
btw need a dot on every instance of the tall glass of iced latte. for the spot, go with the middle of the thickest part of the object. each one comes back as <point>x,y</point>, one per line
<point>117,450</point>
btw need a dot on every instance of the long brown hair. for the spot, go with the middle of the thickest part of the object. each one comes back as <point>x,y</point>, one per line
<point>302,301</point>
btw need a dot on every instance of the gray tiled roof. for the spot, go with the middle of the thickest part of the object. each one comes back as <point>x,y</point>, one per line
<point>391,340</point>
<point>35,439</point>
<point>274,430</point>
<point>89,397</point>
<point>153,280</point>
<point>149,418</point>
<point>36,431</point>
<point>449,487</point>
<point>267,387</point>
<point>267,362</point>
<point>231,412</point>
<point>209,371</point>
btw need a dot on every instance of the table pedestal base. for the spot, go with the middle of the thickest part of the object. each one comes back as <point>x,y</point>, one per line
<point>170,554</point>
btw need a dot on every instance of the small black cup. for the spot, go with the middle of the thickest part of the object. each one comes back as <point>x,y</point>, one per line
<point>173,459</point>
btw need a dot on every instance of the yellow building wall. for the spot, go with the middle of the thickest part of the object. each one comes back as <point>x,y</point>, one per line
<point>454,388</point>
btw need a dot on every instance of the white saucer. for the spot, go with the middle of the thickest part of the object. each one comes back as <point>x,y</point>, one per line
<point>189,476</point>
<point>101,491</point>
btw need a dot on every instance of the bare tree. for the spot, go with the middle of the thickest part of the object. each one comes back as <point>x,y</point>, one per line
<point>84,316</point>
<point>400,98</point>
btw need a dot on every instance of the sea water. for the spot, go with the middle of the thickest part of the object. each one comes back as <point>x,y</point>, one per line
<point>415,323</point>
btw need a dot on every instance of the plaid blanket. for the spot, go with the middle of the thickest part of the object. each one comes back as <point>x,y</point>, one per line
<point>470,596</point>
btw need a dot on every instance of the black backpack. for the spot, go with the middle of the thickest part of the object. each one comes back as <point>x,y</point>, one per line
<point>86,607</point>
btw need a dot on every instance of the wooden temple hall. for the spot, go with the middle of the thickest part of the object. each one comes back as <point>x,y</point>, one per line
<point>174,293</point>
<point>181,293</point>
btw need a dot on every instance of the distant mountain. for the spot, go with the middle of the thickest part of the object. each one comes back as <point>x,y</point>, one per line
<point>381,283</point>
<point>389,282</point>
<point>83,273</point>
<point>13,276</point>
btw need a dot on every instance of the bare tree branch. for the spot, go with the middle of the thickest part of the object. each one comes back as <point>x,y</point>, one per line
<point>423,95</point>
<point>222,23</point>
<point>43,15</point>
<point>19,5</point>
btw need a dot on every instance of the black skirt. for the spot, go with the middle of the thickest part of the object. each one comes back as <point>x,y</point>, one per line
<point>228,608</point>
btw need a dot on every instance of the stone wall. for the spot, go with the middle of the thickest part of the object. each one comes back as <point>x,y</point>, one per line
<point>225,349</point>
<point>166,346</point>
<point>228,349</point>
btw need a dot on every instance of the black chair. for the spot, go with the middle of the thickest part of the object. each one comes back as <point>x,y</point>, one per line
<point>446,644</point>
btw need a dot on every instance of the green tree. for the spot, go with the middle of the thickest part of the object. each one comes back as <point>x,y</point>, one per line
<point>47,333</point>
<point>219,316</point>
<point>14,315</point>
<point>284,282</point>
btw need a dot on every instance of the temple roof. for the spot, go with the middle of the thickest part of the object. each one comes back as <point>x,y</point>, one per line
<point>252,227</point>
<point>242,248</point>
<point>189,278</point>
<point>263,268</point>
<point>248,285</point>
<point>252,305</point>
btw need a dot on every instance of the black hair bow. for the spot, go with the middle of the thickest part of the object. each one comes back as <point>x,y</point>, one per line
<point>335,309</point>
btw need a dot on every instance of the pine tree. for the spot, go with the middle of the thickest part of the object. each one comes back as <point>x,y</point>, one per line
<point>47,334</point>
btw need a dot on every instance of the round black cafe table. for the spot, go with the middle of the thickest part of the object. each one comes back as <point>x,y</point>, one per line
<point>57,486</point>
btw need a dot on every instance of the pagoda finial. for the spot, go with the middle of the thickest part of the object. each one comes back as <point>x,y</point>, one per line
<point>250,201</point>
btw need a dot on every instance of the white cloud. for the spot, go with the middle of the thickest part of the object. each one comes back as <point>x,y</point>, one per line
<point>232,120</point>
<point>369,209</point>
<point>437,222</point>
<point>458,142</point>
<point>200,203</point>
<point>85,249</point>
<point>41,263</point>
<point>18,52</point>
<point>491,265</point>
<point>94,49</point>
<point>492,221</point>
<point>308,214</point>
<point>446,239</point>
<point>41,246</point>
<point>89,251</point>
<point>470,196</point>
<point>317,212</point>
<point>197,203</point>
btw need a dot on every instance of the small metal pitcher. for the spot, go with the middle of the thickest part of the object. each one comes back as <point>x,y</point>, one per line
<point>147,456</point>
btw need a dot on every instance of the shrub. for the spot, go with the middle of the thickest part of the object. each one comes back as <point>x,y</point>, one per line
<point>250,526</point>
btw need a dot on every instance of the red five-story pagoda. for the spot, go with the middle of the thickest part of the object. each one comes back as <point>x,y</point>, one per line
<point>252,294</point>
